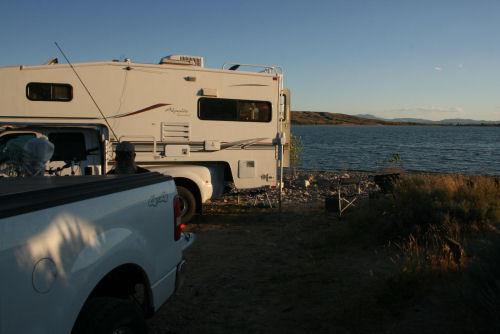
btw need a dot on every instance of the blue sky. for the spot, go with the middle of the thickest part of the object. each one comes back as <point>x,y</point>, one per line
<point>425,59</point>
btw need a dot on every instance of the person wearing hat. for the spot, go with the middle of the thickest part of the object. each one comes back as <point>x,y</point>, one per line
<point>125,160</point>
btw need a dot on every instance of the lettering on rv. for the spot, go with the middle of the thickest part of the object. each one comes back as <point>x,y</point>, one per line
<point>177,112</point>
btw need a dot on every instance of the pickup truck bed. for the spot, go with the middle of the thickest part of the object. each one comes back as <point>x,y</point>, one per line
<point>18,196</point>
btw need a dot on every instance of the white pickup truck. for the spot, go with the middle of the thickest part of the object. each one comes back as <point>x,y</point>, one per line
<point>88,254</point>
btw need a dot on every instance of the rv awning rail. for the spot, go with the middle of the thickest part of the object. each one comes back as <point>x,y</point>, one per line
<point>264,68</point>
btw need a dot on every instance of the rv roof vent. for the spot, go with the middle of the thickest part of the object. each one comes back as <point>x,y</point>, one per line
<point>182,60</point>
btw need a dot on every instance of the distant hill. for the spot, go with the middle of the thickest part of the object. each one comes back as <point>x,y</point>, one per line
<point>414,120</point>
<point>369,116</point>
<point>326,118</point>
<point>449,121</point>
<point>468,121</point>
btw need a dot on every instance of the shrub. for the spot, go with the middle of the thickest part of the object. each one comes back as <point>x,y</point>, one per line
<point>393,163</point>
<point>470,203</point>
<point>295,151</point>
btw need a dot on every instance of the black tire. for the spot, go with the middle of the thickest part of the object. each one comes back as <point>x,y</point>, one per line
<point>188,204</point>
<point>110,315</point>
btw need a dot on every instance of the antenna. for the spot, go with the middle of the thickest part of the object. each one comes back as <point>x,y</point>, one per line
<point>97,106</point>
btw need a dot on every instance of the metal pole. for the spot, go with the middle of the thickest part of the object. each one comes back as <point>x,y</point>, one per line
<point>281,172</point>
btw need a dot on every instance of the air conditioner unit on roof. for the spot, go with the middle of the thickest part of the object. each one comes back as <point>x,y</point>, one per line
<point>182,60</point>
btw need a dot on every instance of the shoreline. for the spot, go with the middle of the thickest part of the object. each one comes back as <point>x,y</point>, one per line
<point>312,188</point>
<point>306,187</point>
<point>389,170</point>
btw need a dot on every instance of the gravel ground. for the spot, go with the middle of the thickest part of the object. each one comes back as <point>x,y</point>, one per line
<point>304,188</point>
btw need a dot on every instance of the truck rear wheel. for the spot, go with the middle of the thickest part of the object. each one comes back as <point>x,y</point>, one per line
<point>188,203</point>
<point>110,315</point>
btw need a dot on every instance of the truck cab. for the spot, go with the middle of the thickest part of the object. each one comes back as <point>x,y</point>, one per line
<point>77,150</point>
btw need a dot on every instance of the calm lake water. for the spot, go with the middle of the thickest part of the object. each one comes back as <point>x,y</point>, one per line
<point>449,149</point>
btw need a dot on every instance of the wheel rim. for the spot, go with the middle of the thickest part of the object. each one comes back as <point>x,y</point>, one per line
<point>184,205</point>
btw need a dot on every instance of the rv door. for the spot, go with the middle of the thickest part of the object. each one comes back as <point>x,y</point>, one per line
<point>285,123</point>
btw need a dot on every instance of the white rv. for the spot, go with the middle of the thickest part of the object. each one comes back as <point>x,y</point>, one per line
<point>207,128</point>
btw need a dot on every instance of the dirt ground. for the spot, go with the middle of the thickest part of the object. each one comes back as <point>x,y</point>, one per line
<point>252,270</point>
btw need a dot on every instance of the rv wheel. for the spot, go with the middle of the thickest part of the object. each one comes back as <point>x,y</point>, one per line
<point>188,204</point>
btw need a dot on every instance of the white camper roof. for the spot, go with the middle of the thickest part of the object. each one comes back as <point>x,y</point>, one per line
<point>184,62</point>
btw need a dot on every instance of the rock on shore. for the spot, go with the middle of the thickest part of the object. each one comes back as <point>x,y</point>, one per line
<point>304,187</point>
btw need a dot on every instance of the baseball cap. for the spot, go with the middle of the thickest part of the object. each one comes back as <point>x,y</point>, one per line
<point>125,146</point>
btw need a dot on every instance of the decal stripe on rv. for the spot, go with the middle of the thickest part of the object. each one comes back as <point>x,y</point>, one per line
<point>141,111</point>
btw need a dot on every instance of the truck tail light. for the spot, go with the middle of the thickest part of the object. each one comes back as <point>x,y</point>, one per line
<point>177,219</point>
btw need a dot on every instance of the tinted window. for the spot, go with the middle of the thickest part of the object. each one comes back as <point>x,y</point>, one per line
<point>68,146</point>
<point>234,110</point>
<point>40,91</point>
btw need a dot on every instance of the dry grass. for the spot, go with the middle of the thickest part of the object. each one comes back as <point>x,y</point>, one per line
<point>445,227</point>
<point>471,203</point>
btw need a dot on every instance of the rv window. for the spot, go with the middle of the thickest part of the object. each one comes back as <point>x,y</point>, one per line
<point>39,91</point>
<point>234,110</point>
<point>68,146</point>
